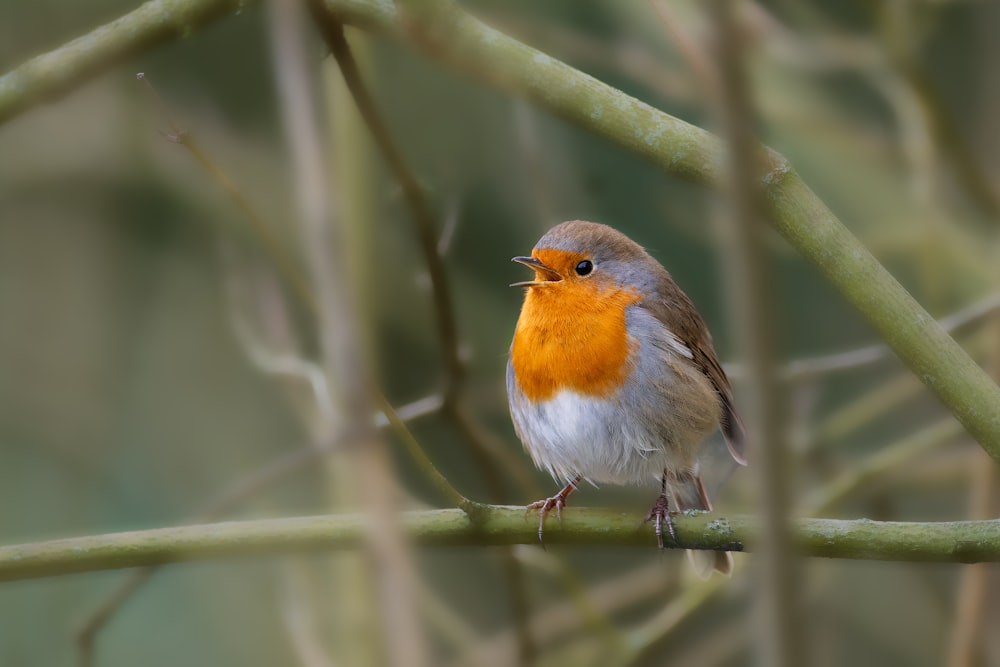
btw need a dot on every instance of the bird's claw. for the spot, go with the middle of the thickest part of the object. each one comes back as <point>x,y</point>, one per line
<point>660,514</point>
<point>545,506</point>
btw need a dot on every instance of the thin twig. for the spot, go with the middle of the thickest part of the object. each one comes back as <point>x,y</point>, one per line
<point>848,360</point>
<point>559,620</point>
<point>953,324</point>
<point>99,618</point>
<point>333,34</point>
<point>586,602</point>
<point>286,263</point>
<point>865,407</point>
<point>701,64</point>
<point>423,462</point>
<point>450,226</point>
<point>642,640</point>
<point>887,459</point>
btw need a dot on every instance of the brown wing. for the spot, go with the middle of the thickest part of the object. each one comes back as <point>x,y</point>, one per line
<point>676,311</point>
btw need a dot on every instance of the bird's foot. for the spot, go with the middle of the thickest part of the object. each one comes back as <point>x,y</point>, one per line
<point>556,502</point>
<point>660,514</point>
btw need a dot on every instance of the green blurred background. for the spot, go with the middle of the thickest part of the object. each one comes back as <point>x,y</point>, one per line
<point>127,400</point>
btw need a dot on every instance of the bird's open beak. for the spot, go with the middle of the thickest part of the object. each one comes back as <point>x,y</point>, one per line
<point>550,274</point>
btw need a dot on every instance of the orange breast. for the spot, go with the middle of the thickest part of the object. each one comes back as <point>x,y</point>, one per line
<point>570,337</point>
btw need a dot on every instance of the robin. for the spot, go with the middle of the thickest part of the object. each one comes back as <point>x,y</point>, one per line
<point>612,376</point>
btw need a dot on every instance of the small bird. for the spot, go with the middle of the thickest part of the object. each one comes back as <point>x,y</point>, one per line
<point>612,376</point>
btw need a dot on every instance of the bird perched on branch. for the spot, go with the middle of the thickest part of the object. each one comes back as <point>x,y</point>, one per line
<point>612,376</point>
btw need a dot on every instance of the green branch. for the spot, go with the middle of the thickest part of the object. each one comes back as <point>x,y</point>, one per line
<point>960,541</point>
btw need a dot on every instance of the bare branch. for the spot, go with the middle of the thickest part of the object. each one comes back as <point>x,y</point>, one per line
<point>859,539</point>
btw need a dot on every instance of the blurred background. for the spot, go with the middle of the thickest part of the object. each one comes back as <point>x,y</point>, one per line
<point>152,339</point>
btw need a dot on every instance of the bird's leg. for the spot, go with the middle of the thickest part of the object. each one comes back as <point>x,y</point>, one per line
<point>557,501</point>
<point>660,513</point>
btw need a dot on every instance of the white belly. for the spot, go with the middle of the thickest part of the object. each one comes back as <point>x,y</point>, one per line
<point>572,435</point>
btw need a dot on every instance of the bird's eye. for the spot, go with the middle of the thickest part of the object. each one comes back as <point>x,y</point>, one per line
<point>584,267</point>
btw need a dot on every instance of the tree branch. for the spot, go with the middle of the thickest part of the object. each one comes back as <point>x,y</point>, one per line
<point>956,541</point>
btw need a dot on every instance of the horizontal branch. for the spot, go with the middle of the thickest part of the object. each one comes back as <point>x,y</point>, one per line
<point>959,541</point>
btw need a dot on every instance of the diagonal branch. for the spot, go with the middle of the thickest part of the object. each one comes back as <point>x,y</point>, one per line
<point>333,35</point>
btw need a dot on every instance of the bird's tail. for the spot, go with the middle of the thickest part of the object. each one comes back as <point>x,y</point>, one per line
<point>689,494</point>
